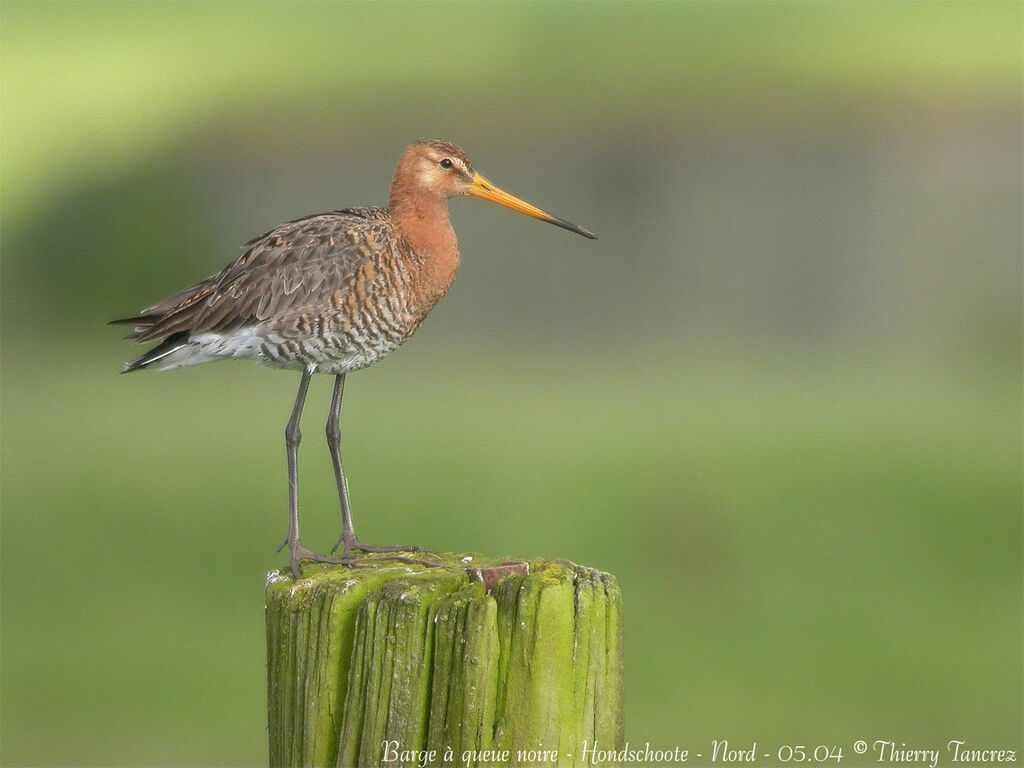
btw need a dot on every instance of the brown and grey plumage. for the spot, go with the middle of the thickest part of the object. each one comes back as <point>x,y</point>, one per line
<point>329,293</point>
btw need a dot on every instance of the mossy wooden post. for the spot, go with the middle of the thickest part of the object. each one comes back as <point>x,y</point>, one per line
<point>474,663</point>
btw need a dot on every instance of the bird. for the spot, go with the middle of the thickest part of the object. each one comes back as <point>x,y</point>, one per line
<point>329,293</point>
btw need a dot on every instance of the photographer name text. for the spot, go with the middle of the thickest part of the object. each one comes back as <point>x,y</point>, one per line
<point>883,752</point>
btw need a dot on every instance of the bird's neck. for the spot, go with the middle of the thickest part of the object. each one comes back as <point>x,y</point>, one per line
<point>423,222</point>
<point>433,251</point>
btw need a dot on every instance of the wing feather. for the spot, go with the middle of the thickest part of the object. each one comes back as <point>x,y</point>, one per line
<point>298,265</point>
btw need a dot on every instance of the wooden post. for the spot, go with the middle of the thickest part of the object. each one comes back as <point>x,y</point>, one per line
<point>474,663</point>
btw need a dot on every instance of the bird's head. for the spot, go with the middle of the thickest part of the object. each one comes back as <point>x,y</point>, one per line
<point>440,169</point>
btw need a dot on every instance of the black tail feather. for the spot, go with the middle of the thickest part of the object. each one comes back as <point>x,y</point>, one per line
<point>161,350</point>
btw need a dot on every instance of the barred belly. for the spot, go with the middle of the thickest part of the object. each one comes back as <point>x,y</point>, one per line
<point>337,342</point>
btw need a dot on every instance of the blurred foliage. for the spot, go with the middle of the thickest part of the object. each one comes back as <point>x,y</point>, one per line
<point>780,398</point>
<point>92,86</point>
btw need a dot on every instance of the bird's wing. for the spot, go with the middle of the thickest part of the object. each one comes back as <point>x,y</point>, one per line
<point>300,263</point>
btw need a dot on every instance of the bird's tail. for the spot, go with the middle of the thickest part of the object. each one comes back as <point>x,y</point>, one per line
<point>161,351</point>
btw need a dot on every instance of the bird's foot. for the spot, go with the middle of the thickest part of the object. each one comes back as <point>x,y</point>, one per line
<point>300,553</point>
<point>352,544</point>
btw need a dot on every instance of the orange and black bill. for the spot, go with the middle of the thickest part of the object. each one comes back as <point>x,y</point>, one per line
<point>483,189</point>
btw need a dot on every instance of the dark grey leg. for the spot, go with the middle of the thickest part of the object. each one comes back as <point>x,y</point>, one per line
<point>334,444</point>
<point>348,533</point>
<point>292,436</point>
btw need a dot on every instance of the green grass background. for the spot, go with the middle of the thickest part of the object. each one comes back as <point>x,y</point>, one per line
<point>780,398</point>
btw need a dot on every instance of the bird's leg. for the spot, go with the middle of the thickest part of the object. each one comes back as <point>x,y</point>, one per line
<point>348,533</point>
<point>292,436</point>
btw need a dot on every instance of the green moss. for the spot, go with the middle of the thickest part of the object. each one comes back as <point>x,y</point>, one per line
<point>401,663</point>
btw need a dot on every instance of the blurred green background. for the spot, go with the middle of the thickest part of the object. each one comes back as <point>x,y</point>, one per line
<point>779,398</point>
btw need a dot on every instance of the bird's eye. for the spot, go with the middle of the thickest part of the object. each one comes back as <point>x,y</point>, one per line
<point>446,164</point>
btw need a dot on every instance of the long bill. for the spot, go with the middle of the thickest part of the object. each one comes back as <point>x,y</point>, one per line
<point>483,189</point>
